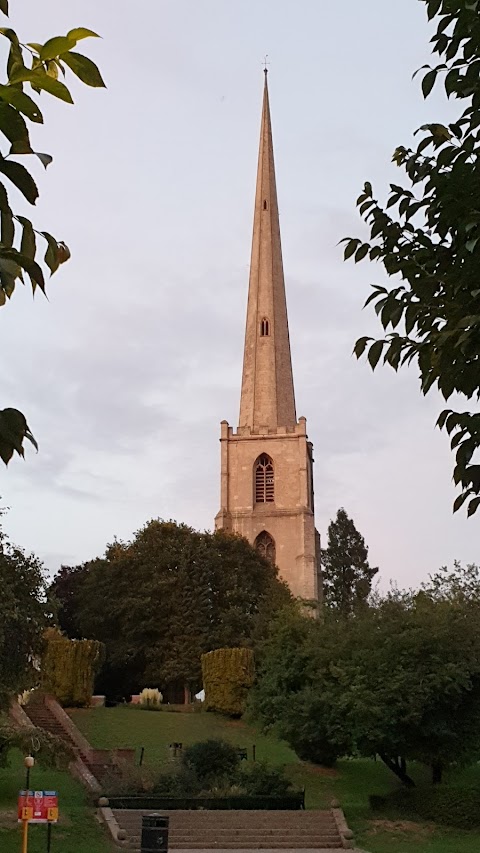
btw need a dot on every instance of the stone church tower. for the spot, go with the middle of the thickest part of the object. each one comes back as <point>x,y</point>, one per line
<point>266,465</point>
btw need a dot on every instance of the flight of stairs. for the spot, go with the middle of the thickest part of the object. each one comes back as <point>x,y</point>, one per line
<point>202,829</point>
<point>42,717</point>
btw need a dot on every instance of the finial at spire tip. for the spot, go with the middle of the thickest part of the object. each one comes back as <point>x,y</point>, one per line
<point>265,65</point>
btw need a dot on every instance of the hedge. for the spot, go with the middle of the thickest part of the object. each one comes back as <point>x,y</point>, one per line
<point>227,677</point>
<point>454,806</point>
<point>288,802</point>
<point>68,668</point>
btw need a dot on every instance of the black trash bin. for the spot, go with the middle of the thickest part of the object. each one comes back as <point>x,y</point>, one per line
<point>154,833</point>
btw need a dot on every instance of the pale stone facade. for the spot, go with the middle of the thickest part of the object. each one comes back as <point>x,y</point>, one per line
<point>267,464</point>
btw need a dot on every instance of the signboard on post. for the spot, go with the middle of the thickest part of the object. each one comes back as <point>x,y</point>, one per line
<point>38,806</point>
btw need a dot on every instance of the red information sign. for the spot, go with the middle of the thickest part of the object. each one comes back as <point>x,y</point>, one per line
<point>38,806</point>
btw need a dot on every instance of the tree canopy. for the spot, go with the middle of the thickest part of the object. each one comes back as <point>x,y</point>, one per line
<point>37,68</point>
<point>427,237</point>
<point>23,618</point>
<point>162,600</point>
<point>347,574</point>
<point>401,679</point>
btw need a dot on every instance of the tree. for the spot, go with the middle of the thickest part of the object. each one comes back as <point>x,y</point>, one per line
<point>347,574</point>
<point>23,617</point>
<point>37,66</point>
<point>296,692</point>
<point>172,594</point>
<point>64,592</point>
<point>401,680</point>
<point>431,245</point>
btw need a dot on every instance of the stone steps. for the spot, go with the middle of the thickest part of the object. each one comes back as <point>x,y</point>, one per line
<point>43,718</point>
<point>239,830</point>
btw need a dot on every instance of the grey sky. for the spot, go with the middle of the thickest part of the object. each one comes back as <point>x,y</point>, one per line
<point>127,371</point>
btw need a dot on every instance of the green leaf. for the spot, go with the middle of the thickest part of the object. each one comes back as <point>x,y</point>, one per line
<point>39,79</point>
<point>428,82</point>
<point>63,253</point>
<point>28,244</point>
<point>21,101</point>
<point>82,33</point>
<point>21,178</point>
<point>45,159</point>
<point>84,68</point>
<point>442,418</point>
<point>56,46</point>
<point>32,269</point>
<point>9,34</point>
<point>51,256</point>
<point>360,345</point>
<point>362,252</point>
<point>350,249</point>
<point>460,501</point>
<point>4,6</point>
<point>375,352</point>
<point>13,430</point>
<point>7,228</point>
<point>473,506</point>
<point>52,86</point>
<point>12,124</point>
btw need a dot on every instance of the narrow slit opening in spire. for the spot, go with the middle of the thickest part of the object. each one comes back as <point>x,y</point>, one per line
<point>264,328</point>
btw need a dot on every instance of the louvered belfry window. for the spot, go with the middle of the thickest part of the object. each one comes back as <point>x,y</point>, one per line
<point>264,480</point>
<point>265,546</point>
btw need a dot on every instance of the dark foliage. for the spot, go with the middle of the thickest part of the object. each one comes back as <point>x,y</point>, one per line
<point>427,236</point>
<point>24,614</point>
<point>172,594</point>
<point>347,574</point>
<point>211,760</point>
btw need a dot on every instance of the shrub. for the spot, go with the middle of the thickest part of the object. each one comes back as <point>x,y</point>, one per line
<point>228,675</point>
<point>317,751</point>
<point>127,779</point>
<point>178,783</point>
<point>211,760</point>
<point>259,779</point>
<point>150,697</point>
<point>50,750</point>
<point>68,668</point>
<point>454,806</point>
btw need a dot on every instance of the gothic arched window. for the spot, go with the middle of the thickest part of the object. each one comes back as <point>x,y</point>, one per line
<point>265,546</point>
<point>264,328</point>
<point>264,480</point>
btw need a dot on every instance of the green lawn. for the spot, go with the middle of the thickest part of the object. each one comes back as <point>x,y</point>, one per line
<point>77,830</point>
<point>351,782</point>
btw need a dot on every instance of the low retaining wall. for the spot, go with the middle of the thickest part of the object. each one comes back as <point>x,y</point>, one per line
<point>289,802</point>
<point>67,725</point>
<point>19,717</point>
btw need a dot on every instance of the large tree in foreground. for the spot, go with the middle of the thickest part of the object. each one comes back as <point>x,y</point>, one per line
<point>31,69</point>
<point>346,572</point>
<point>401,680</point>
<point>162,600</point>
<point>427,238</point>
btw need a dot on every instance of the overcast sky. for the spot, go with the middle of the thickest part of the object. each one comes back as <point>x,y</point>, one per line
<point>128,369</point>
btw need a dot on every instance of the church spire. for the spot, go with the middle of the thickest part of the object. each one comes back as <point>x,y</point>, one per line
<point>267,398</point>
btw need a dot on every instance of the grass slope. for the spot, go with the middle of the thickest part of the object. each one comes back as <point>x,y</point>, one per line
<point>77,830</point>
<point>351,782</point>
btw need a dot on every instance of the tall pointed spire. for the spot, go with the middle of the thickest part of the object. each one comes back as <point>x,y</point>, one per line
<point>267,398</point>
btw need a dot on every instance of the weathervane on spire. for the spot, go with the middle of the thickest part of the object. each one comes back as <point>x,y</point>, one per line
<point>265,64</point>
